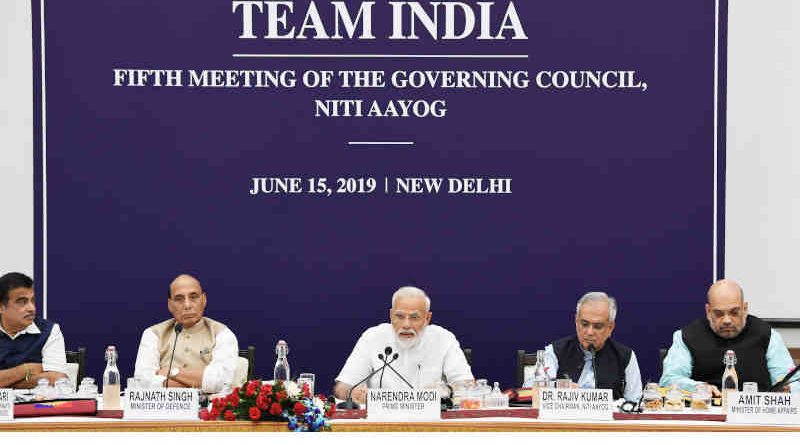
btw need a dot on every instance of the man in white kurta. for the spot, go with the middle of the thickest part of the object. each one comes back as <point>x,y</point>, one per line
<point>206,350</point>
<point>427,355</point>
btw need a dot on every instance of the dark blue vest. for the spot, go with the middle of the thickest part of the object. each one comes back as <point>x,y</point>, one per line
<point>27,348</point>
<point>611,363</point>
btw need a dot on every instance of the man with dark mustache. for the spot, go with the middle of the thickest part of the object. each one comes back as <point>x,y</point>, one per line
<point>31,348</point>
<point>697,350</point>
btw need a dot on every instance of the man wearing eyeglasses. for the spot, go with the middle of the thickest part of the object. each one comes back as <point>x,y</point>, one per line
<point>590,358</point>
<point>206,352</point>
<point>427,355</point>
<point>31,348</point>
<point>697,350</point>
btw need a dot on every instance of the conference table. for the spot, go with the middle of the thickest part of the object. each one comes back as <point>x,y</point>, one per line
<point>485,424</point>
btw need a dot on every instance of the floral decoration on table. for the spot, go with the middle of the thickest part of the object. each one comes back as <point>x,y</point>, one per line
<point>279,401</point>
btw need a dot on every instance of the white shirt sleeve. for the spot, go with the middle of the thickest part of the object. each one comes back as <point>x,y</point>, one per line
<point>53,356</point>
<point>147,360</point>
<point>358,364</point>
<point>223,362</point>
<point>633,380</point>
<point>456,368</point>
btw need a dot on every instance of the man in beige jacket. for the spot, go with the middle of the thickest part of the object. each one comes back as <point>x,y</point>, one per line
<point>206,350</point>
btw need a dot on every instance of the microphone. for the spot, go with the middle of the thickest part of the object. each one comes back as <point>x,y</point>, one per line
<point>349,403</point>
<point>784,380</point>
<point>178,329</point>
<point>594,364</point>
<point>388,352</point>
<point>389,365</point>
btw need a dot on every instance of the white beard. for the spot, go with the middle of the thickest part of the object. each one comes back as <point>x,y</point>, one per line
<point>406,344</point>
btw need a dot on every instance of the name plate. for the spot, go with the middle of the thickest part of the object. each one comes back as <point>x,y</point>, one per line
<point>576,403</point>
<point>162,404</point>
<point>403,405</point>
<point>6,404</point>
<point>763,408</point>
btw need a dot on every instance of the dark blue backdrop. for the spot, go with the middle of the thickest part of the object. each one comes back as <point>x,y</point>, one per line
<point>612,190</point>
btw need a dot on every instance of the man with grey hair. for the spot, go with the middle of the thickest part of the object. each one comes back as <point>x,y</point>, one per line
<point>590,356</point>
<point>427,355</point>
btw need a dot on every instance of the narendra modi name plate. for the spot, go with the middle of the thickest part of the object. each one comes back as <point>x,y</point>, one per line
<point>6,404</point>
<point>576,403</point>
<point>763,408</point>
<point>162,404</point>
<point>403,405</point>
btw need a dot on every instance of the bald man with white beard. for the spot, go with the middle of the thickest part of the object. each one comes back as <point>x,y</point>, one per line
<point>428,355</point>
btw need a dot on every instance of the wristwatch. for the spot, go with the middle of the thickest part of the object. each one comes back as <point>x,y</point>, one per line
<point>174,372</point>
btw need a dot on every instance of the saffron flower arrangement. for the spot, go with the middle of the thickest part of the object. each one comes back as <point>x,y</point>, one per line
<point>278,401</point>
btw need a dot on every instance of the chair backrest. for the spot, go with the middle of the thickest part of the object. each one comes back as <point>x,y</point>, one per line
<point>78,357</point>
<point>524,359</point>
<point>250,355</point>
<point>662,354</point>
<point>795,353</point>
<point>468,355</point>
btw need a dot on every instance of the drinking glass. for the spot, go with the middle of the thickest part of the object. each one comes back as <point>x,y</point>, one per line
<point>307,378</point>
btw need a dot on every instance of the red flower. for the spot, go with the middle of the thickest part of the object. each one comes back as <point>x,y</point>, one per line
<point>214,414</point>
<point>233,399</point>
<point>299,408</point>
<point>229,415</point>
<point>331,409</point>
<point>254,413</point>
<point>266,389</point>
<point>281,396</point>
<point>275,409</point>
<point>218,403</point>
<point>306,390</point>
<point>204,414</point>
<point>262,402</point>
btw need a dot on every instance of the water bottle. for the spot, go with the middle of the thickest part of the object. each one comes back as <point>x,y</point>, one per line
<point>540,378</point>
<point>282,364</point>
<point>730,379</point>
<point>111,381</point>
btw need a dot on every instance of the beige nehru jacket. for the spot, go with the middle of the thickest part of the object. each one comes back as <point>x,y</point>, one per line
<point>208,344</point>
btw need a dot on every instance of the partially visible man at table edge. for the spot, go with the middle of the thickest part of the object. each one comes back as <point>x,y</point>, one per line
<point>697,350</point>
<point>31,348</point>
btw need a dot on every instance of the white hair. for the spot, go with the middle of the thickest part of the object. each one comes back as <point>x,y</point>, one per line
<point>411,292</point>
<point>599,296</point>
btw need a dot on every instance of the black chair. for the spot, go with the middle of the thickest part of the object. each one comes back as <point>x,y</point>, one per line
<point>468,355</point>
<point>524,359</point>
<point>662,354</point>
<point>78,357</point>
<point>250,355</point>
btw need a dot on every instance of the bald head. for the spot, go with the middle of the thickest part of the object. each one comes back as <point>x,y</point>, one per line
<point>726,309</point>
<point>725,289</point>
<point>183,280</point>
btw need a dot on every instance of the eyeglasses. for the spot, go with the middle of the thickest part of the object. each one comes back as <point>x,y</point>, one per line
<point>193,297</point>
<point>596,326</point>
<point>414,317</point>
